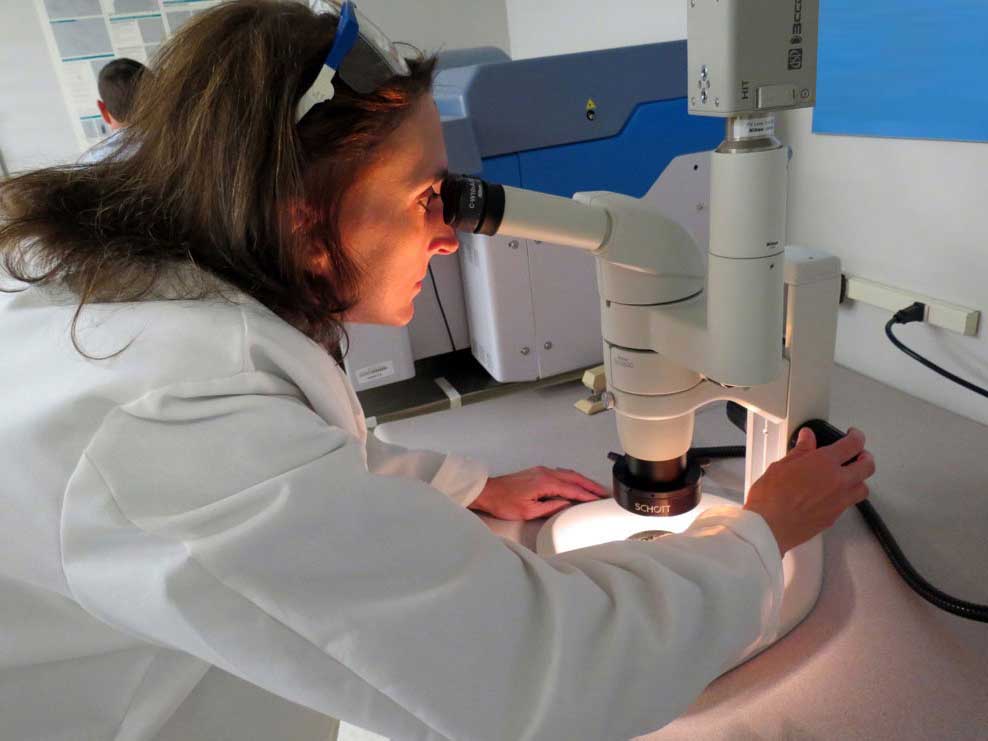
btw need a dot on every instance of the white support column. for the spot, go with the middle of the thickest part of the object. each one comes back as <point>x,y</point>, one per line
<point>812,296</point>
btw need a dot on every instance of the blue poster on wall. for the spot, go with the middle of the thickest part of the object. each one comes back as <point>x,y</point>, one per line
<point>903,68</point>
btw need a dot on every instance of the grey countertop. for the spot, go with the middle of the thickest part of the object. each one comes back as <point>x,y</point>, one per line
<point>872,660</point>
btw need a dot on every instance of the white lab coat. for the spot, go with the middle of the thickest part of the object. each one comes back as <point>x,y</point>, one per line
<point>198,540</point>
<point>102,149</point>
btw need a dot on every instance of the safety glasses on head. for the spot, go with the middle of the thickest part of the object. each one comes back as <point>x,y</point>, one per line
<point>362,56</point>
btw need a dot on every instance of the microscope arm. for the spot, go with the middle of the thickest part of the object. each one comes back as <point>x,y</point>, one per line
<point>645,258</point>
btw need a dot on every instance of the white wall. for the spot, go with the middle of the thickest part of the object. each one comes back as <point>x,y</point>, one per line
<point>540,28</point>
<point>907,213</point>
<point>435,25</point>
<point>911,214</point>
<point>35,128</point>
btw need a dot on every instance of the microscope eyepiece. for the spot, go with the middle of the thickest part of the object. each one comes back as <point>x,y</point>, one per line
<point>472,205</point>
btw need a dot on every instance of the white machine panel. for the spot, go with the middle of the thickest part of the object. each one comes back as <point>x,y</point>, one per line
<point>498,289</point>
<point>567,308</point>
<point>534,309</point>
<point>378,355</point>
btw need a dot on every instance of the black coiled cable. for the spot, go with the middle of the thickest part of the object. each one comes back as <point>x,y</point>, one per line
<point>828,434</point>
<point>923,588</point>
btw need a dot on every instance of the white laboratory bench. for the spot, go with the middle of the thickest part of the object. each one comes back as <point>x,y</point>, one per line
<point>872,660</point>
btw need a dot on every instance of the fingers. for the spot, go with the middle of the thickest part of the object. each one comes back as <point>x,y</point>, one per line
<point>557,488</point>
<point>858,493</point>
<point>846,448</point>
<point>806,441</point>
<point>863,468</point>
<point>573,477</point>
<point>549,507</point>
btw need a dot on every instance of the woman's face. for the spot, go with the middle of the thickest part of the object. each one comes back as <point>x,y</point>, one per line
<point>391,219</point>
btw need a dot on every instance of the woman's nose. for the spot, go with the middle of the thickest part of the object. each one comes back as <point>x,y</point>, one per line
<point>445,241</point>
<point>445,244</point>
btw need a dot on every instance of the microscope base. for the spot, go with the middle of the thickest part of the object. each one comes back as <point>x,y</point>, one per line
<point>604,521</point>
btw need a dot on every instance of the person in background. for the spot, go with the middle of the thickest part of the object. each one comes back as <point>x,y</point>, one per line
<point>199,538</point>
<point>117,85</point>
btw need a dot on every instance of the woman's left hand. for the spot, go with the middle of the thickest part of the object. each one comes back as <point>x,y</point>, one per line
<point>536,492</point>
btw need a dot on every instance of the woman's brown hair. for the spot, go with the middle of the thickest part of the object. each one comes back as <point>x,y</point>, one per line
<point>214,172</point>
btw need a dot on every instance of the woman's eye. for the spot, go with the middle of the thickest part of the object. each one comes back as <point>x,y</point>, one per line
<point>429,198</point>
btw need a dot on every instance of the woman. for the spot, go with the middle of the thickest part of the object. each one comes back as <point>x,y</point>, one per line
<point>189,485</point>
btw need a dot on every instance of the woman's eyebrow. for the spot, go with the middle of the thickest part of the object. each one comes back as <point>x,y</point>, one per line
<point>438,174</point>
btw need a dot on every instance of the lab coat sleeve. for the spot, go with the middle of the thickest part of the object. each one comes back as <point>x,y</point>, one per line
<point>227,520</point>
<point>461,479</point>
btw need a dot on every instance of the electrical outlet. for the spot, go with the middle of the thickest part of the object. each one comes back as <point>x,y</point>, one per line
<point>938,313</point>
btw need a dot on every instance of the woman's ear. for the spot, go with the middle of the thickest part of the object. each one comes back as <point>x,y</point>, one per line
<point>300,223</point>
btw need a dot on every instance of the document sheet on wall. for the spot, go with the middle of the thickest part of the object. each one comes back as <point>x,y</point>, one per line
<point>84,35</point>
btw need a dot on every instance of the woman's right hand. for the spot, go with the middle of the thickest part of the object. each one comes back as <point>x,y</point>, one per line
<point>804,493</point>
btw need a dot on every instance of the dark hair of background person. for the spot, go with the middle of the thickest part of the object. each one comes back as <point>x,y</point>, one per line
<point>213,172</point>
<point>117,83</point>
